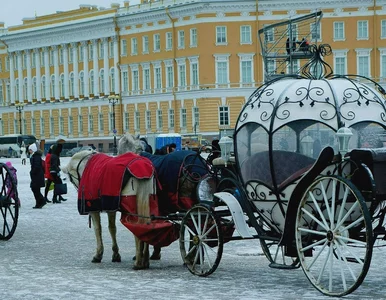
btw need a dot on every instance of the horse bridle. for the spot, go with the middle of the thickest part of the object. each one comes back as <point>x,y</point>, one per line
<point>77,171</point>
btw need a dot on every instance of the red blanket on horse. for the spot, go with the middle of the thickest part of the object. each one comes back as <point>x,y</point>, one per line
<point>101,182</point>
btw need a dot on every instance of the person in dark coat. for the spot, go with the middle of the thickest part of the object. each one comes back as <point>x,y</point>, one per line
<point>169,148</point>
<point>145,145</point>
<point>55,170</point>
<point>37,175</point>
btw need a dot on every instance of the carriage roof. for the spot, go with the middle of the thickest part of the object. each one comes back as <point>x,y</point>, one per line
<point>331,99</point>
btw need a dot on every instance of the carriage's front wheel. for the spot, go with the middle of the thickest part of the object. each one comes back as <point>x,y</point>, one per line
<point>201,240</point>
<point>334,235</point>
<point>9,207</point>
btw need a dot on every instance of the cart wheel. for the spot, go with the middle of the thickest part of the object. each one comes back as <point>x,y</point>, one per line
<point>9,208</point>
<point>334,235</point>
<point>201,241</point>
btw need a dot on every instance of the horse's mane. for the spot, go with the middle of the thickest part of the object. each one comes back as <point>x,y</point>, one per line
<point>129,143</point>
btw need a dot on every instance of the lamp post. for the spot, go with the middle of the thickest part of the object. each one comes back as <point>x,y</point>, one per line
<point>113,100</point>
<point>19,108</point>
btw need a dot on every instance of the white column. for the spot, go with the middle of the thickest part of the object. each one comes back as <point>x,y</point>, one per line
<point>95,67</point>
<point>56,72</point>
<point>47,72</point>
<point>65,71</point>
<point>75,69</point>
<point>38,75</point>
<point>85,69</point>
<point>12,76</point>
<point>116,61</point>
<point>106,65</point>
<point>29,76</point>
<point>20,75</point>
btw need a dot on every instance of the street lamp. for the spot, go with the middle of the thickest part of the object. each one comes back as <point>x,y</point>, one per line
<point>114,99</point>
<point>19,108</point>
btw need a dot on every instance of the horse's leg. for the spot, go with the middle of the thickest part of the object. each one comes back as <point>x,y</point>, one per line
<point>146,262</point>
<point>113,232</point>
<point>156,255</point>
<point>96,222</point>
<point>138,265</point>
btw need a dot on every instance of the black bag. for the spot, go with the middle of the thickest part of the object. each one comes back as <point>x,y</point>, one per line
<point>60,188</point>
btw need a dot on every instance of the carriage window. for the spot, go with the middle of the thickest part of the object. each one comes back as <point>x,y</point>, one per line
<point>367,135</point>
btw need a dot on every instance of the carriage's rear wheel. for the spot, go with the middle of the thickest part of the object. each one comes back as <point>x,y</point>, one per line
<point>334,235</point>
<point>9,208</point>
<point>201,240</point>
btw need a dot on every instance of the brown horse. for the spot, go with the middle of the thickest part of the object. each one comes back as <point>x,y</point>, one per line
<point>139,189</point>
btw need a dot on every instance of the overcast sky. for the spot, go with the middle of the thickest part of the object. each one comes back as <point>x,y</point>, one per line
<point>13,11</point>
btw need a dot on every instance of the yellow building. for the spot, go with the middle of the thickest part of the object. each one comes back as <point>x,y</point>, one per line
<point>171,66</point>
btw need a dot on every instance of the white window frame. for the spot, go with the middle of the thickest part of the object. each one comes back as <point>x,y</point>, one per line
<point>181,39</point>
<point>134,46</point>
<point>361,56</point>
<point>339,31</point>
<point>156,42</point>
<point>221,36</point>
<point>171,118</point>
<point>169,41</point>
<point>223,115</point>
<point>245,35</point>
<point>383,29</point>
<point>145,44</point>
<point>159,120</point>
<point>246,58</point>
<point>193,37</point>
<point>340,54</point>
<point>123,47</point>
<point>222,60</point>
<point>362,30</point>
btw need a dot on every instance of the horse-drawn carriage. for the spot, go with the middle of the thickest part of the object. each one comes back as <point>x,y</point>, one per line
<point>9,206</point>
<point>292,182</point>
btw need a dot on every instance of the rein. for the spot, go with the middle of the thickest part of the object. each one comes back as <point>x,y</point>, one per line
<point>77,171</point>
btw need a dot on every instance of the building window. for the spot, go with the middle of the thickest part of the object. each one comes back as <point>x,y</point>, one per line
<point>245,34</point>
<point>61,125</point>
<point>363,30</point>
<point>25,88</point>
<point>383,29</point>
<point>224,115</point>
<point>196,116</point>
<point>72,84</point>
<point>169,77</point>
<point>91,79</point>
<point>269,34</point>
<point>90,123</point>
<point>111,122</point>
<point>81,81</point>
<point>100,122</point>
<point>221,35</point>
<point>81,53</point>
<point>1,94</point>
<point>124,47</point>
<point>148,120</point>
<point>102,81</point>
<point>222,70</point>
<point>101,50</point>
<point>157,78</point>
<point>52,126</point>
<point>62,85</point>
<point>292,31</point>
<point>34,90</point>
<point>125,81</point>
<point>146,79</point>
<point>135,80</point>
<point>91,51</point>
<point>181,39</point>
<point>137,124</point>
<point>339,31</point>
<point>61,59</point>
<point>315,31</point>
<point>126,121</point>
<point>33,60</point>
<point>112,80</point>
<point>80,123</point>
<point>169,41</point>
<point>183,117</point>
<point>43,88</point>
<point>17,94</point>
<point>194,75</point>
<point>157,43</point>
<point>71,125</point>
<point>33,126</point>
<point>193,37</point>
<point>159,120</point>
<point>171,118</point>
<point>134,46</point>
<point>42,126</point>
<point>52,85</point>
<point>111,48</point>
<point>340,66</point>
<point>145,44</point>
<point>182,75</point>
<point>363,65</point>
<point>246,71</point>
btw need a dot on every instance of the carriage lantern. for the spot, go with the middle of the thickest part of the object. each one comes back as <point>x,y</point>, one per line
<point>343,135</point>
<point>226,145</point>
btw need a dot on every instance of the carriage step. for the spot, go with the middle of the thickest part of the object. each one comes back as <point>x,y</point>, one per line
<point>281,266</point>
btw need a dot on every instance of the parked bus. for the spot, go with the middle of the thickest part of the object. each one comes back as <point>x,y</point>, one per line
<point>14,141</point>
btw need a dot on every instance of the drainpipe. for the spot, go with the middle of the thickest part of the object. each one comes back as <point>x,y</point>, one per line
<point>174,73</point>
<point>375,37</point>
<point>118,76</point>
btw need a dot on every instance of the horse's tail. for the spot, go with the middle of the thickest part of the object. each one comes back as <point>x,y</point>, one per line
<point>145,191</point>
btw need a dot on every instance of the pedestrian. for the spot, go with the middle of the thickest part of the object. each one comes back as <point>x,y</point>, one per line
<point>47,175</point>
<point>23,154</point>
<point>8,183</point>
<point>186,146</point>
<point>55,170</point>
<point>10,151</point>
<point>169,148</point>
<point>145,145</point>
<point>37,175</point>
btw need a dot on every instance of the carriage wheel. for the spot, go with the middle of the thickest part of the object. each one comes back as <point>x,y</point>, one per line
<point>334,235</point>
<point>9,208</point>
<point>201,241</point>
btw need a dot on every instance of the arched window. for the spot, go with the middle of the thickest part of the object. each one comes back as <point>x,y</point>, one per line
<point>53,86</point>
<point>34,92</point>
<point>91,82</point>
<point>44,87</point>
<point>72,84</point>
<point>102,81</point>
<point>112,79</point>
<point>62,85</point>
<point>81,82</point>
<point>25,89</point>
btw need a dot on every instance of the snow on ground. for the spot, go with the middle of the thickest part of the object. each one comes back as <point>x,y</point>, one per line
<point>49,257</point>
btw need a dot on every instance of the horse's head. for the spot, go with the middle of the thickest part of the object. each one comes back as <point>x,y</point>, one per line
<point>129,143</point>
<point>76,165</point>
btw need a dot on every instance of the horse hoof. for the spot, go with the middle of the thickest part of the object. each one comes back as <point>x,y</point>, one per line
<point>96,260</point>
<point>116,258</point>
<point>155,256</point>
<point>138,268</point>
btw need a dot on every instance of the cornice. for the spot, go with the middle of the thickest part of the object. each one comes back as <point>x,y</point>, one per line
<point>301,4</point>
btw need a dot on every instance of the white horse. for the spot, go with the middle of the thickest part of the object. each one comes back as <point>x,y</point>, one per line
<point>141,188</point>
